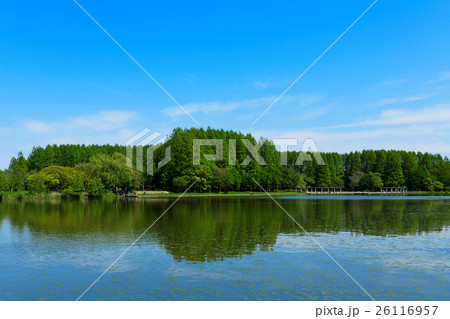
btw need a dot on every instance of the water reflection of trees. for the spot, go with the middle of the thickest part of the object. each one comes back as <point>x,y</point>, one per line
<point>201,229</point>
<point>210,229</point>
<point>370,217</point>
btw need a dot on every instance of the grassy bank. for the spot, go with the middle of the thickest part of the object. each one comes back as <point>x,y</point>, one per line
<point>228,194</point>
<point>56,195</point>
<point>27,195</point>
<point>287,193</point>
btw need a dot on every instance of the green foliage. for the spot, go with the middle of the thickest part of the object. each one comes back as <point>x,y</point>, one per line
<point>323,177</point>
<point>58,177</point>
<point>95,188</point>
<point>352,169</point>
<point>221,178</point>
<point>371,181</point>
<point>181,183</point>
<point>409,167</point>
<point>203,175</point>
<point>226,178</point>
<point>77,182</point>
<point>36,183</point>
<point>111,170</point>
<point>4,186</point>
<point>16,173</point>
<point>16,178</point>
<point>355,179</point>
<point>294,179</point>
<point>68,193</point>
<point>76,187</point>
<point>433,185</point>
<point>393,170</point>
<point>137,179</point>
<point>68,155</point>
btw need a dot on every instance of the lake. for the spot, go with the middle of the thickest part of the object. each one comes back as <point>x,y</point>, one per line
<point>226,248</point>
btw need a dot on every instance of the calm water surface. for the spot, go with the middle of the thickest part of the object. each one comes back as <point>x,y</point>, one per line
<point>233,248</point>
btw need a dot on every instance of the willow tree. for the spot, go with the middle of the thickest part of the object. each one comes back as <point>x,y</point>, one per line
<point>111,170</point>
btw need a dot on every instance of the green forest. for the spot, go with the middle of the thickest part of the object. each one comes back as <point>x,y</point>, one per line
<point>74,170</point>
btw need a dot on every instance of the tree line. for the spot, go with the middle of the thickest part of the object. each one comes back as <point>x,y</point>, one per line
<point>96,169</point>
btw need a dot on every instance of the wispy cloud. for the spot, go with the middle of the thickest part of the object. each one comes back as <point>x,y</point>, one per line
<point>97,128</point>
<point>393,117</point>
<point>437,114</point>
<point>220,108</point>
<point>37,126</point>
<point>425,138</point>
<point>98,122</point>
<point>261,84</point>
<point>390,83</point>
<point>444,76</point>
<point>105,120</point>
<point>191,78</point>
<point>311,113</point>
<point>403,99</point>
<point>426,130</point>
<point>214,107</point>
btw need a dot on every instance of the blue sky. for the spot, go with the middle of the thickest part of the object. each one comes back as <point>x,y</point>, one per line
<point>384,84</point>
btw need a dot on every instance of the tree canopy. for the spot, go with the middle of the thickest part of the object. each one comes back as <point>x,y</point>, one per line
<point>97,168</point>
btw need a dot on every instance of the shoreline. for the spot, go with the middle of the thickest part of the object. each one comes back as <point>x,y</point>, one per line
<point>371,194</point>
<point>57,196</point>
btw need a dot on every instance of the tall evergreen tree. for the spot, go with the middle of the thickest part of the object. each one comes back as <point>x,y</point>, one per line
<point>393,173</point>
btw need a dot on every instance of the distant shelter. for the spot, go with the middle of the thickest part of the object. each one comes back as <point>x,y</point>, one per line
<point>327,190</point>
<point>394,189</point>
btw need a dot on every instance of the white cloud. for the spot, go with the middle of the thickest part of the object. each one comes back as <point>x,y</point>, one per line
<point>219,108</point>
<point>426,130</point>
<point>425,138</point>
<point>405,99</point>
<point>102,127</point>
<point>36,126</point>
<point>437,114</point>
<point>261,84</point>
<point>390,83</point>
<point>105,120</point>
<point>444,76</point>
<point>311,114</point>
<point>101,121</point>
<point>90,137</point>
<point>216,107</point>
<point>97,128</point>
